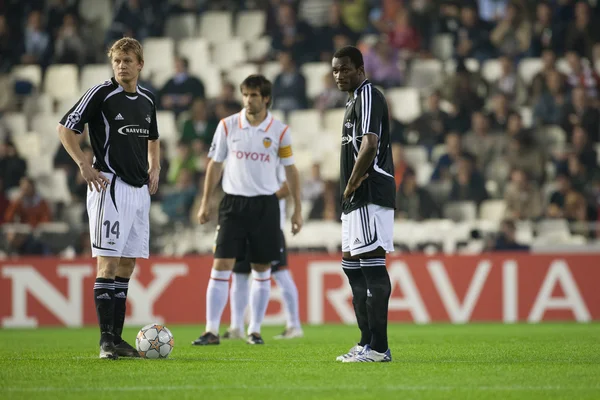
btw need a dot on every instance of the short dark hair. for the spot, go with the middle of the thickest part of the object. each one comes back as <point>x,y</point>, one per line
<point>256,81</point>
<point>352,53</point>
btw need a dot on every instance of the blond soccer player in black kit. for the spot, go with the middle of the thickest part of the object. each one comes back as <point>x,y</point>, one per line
<point>121,118</point>
<point>368,187</point>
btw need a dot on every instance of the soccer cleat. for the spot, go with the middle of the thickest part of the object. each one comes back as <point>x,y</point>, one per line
<point>207,338</point>
<point>255,338</point>
<point>233,334</point>
<point>351,353</point>
<point>108,351</point>
<point>291,333</point>
<point>370,355</point>
<point>124,349</point>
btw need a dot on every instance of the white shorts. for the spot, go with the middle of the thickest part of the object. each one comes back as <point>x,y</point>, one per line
<point>119,220</point>
<point>368,228</point>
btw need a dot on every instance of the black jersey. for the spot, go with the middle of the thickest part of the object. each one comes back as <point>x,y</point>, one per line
<point>119,124</point>
<point>367,113</point>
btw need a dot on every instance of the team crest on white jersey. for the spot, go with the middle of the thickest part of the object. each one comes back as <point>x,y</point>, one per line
<point>267,142</point>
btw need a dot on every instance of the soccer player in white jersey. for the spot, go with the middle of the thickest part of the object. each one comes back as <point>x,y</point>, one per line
<point>121,118</point>
<point>239,293</point>
<point>247,148</point>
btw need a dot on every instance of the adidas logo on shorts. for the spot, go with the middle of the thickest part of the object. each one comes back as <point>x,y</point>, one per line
<point>103,296</point>
<point>119,117</point>
<point>357,241</point>
<point>120,295</point>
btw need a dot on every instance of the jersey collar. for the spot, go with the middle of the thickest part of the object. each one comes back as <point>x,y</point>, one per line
<point>264,126</point>
<point>363,84</point>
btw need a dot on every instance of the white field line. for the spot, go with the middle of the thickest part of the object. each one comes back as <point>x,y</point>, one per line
<point>407,388</point>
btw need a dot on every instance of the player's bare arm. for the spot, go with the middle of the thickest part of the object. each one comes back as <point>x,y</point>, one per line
<point>93,177</point>
<point>366,155</point>
<point>283,192</point>
<point>153,165</point>
<point>214,170</point>
<point>293,180</point>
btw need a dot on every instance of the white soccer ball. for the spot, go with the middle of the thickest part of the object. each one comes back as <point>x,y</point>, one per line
<point>154,341</point>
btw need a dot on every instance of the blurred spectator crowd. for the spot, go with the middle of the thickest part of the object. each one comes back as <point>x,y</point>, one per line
<point>494,105</point>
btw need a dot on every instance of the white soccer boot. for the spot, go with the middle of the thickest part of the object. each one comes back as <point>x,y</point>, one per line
<point>369,355</point>
<point>351,353</point>
<point>290,333</point>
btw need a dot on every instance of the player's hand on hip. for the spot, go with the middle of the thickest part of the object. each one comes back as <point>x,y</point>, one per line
<point>94,178</point>
<point>204,214</point>
<point>352,186</point>
<point>154,176</point>
<point>296,222</point>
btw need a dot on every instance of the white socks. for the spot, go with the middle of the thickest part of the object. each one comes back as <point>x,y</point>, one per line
<point>216,299</point>
<point>290,297</point>
<point>260,289</point>
<point>239,293</point>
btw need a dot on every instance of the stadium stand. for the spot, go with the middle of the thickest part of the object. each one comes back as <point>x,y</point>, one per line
<point>225,41</point>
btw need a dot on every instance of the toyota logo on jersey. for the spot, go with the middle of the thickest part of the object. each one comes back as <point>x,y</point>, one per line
<point>251,155</point>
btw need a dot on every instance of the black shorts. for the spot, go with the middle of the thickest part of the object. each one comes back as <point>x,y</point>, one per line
<point>242,266</point>
<point>249,227</point>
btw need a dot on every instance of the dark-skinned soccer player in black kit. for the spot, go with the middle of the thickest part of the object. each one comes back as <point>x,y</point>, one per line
<point>369,191</point>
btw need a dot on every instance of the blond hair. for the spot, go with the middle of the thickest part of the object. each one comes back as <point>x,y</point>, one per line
<point>127,45</point>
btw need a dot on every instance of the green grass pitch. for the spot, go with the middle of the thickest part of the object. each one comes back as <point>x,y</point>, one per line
<point>478,361</point>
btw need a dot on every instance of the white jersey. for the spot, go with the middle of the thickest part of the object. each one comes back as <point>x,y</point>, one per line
<point>253,154</point>
<point>282,203</point>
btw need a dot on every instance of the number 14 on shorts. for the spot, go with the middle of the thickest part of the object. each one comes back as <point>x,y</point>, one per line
<point>111,231</point>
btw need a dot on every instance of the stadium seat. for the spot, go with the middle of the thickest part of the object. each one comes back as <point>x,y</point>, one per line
<point>423,173</point>
<point>443,46</point>
<point>216,26</point>
<point>526,116</point>
<point>196,51</point>
<point>313,73</point>
<point>181,26</point>
<point>250,24</point>
<point>406,104</point>
<point>553,227</point>
<point>54,187</point>
<point>563,66</point>
<point>305,126</point>
<point>167,128</point>
<point>280,115</point>
<point>438,151</point>
<point>270,70</point>
<point>31,73</point>
<point>211,78</point>
<point>62,81</point>
<point>491,70</point>
<point>415,155</point>
<point>97,11</point>
<point>552,136</point>
<point>492,210</point>
<point>94,74</point>
<point>471,64</point>
<point>158,56</point>
<point>16,123</point>
<point>57,235</point>
<point>459,211</point>
<point>259,48</point>
<point>227,54</point>
<point>238,73</point>
<point>425,74</point>
<point>333,119</point>
<point>64,105</point>
<point>28,145</point>
<point>528,68</point>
